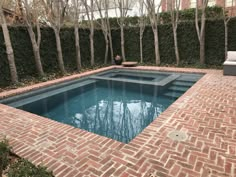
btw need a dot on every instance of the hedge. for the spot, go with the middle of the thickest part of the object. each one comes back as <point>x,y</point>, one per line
<point>187,38</point>
<point>213,12</point>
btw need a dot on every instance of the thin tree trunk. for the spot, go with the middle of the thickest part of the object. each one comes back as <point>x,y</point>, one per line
<point>202,43</point>
<point>141,46</point>
<point>107,49</point>
<point>111,46</point>
<point>59,51</point>
<point>156,43</point>
<point>9,49</point>
<point>36,51</point>
<point>92,45</point>
<point>77,48</point>
<point>122,42</point>
<point>202,49</point>
<point>226,39</point>
<point>176,45</point>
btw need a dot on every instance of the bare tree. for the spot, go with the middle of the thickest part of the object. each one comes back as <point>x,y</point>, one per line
<point>201,30</point>
<point>123,8</point>
<point>9,49</point>
<point>77,10</point>
<point>174,12</point>
<point>142,24</point>
<point>107,6</point>
<point>103,5</point>
<point>227,16</point>
<point>55,12</point>
<point>31,18</point>
<point>153,13</point>
<point>89,10</point>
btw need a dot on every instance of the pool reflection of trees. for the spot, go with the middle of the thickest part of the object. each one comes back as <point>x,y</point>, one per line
<point>117,117</point>
<point>119,112</point>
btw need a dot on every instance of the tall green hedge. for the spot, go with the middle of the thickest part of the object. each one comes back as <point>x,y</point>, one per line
<point>187,38</point>
<point>24,55</point>
<point>187,41</point>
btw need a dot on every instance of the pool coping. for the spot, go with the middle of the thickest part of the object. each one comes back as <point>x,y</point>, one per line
<point>144,139</point>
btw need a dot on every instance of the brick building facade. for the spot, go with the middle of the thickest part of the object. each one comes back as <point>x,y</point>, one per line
<point>185,4</point>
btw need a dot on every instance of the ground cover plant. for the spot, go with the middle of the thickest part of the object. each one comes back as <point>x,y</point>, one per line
<point>14,166</point>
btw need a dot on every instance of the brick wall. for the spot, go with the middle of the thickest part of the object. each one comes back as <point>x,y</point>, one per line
<point>186,4</point>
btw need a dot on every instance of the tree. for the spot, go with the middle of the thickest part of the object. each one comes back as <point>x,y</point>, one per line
<point>123,8</point>
<point>9,49</point>
<point>201,30</point>
<point>227,16</point>
<point>174,12</point>
<point>55,13</point>
<point>89,8</point>
<point>105,24</point>
<point>153,13</point>
<point>31,18</point>
<point>76,9</point>
<point>142,24</point>
<point>107,6</point>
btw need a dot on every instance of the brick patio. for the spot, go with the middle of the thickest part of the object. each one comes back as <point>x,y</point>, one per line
<point>206,112</point>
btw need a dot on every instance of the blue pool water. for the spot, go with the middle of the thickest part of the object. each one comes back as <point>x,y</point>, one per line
<point>116,109</point>
<point>120,112</point>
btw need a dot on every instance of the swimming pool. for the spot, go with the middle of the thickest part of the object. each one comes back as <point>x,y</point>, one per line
<point>117,104</point>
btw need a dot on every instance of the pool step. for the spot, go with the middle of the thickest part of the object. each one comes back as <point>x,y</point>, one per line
<point>182,83</point>
<point>189,78</point>
<point>174,95</point>
<point>178,88</point>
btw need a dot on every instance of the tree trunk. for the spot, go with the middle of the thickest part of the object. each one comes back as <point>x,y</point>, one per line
<point>92,45</point>
<point>176,45</point>
<point>111,45</point>
<point>107,49</point>
<point>156,43</point>
<point>202,49</point>
<point>122,42</point>
<point>9,49</point>
<point>202,43</point>
<point>77,48</point>
<point>226,39</point>
<point>36,50</point>
<point>141,46</point>
<point>59,50</point>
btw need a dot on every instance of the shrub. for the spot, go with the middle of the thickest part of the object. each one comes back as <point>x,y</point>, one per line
<point>4,155</point>
<point>23,168</point>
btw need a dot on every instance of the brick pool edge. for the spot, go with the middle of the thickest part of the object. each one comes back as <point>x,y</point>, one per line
<point>206,113</point>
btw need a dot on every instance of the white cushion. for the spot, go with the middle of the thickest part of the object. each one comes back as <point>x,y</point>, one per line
<point>232,63</point>
<point>231,56</point>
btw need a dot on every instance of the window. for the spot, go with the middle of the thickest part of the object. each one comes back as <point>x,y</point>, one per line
<point>230,3</point>
<point>211,2</point>
<point>193,3</point>
<point>168,4</point>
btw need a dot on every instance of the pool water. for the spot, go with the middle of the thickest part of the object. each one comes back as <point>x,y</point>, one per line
<point>120,112</point>
<point>118,105</point>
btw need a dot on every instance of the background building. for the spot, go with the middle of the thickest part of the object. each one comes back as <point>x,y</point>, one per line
<point>186,4</point>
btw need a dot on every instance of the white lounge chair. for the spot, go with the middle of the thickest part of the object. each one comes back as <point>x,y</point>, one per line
<point>229,66</point>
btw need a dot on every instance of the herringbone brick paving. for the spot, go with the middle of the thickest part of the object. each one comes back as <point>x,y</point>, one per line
<point>206,112</point>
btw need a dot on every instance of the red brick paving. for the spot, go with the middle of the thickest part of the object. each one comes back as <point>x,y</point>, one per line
<point>206,112</point>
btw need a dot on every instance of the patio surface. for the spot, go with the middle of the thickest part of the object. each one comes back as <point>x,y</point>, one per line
<point>206,112</point>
